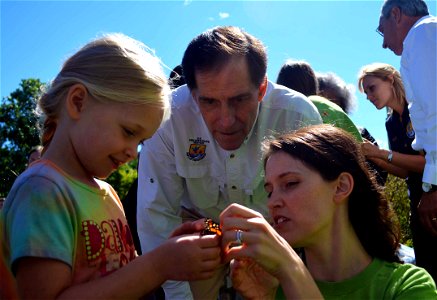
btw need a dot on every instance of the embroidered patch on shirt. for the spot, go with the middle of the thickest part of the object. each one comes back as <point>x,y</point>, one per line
<point>410,130</point>
<point>197,150</point>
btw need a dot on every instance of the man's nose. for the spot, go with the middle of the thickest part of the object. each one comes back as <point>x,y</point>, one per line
<point>227,116</point>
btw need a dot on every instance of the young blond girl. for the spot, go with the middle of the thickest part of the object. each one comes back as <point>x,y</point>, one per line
<point>65,233</point>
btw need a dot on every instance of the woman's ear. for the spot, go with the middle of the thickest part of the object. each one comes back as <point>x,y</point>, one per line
<point>345,185</point>
<point>391,78</point>
<point>76,98</point>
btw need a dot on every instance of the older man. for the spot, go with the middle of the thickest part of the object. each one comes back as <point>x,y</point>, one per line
<point>410,31</point>
<point>208,154</point>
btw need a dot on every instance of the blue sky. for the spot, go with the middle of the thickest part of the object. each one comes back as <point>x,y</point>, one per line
<point>337,36</point>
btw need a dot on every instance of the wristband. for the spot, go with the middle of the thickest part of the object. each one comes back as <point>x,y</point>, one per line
<point>390,156</point>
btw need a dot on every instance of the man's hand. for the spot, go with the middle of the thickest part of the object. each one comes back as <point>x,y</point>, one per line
<point>427,210</point>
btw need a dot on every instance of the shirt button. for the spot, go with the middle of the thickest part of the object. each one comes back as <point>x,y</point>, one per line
<point>232,155</point>
<point>234,187</point>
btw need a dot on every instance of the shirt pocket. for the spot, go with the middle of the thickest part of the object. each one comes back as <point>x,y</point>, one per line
<point>202,188</point>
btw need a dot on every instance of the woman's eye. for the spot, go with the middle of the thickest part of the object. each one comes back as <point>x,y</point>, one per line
<point>269,194</point>
<point>291,183</point>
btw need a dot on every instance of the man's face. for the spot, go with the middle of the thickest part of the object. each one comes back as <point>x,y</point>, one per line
<point>393,39</point>
<point>228,101</point>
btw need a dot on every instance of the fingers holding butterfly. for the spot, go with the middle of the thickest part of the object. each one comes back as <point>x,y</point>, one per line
<point>241,227</point>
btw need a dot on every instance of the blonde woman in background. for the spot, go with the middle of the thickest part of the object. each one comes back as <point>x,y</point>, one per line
<point>383,86</point>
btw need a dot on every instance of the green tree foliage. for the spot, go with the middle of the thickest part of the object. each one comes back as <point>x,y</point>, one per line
<point>123,178</point>
<point>18,131</point>
<point>19,134</point>
<point>397,193</point>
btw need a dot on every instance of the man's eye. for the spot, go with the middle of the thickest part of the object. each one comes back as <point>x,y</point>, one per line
<point>208,102</point>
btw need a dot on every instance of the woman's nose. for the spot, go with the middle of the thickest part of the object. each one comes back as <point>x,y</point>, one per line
<point>274,201</point>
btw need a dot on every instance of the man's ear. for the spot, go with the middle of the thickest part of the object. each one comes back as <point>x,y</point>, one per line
<point>76,98</point>
<point>345,185</point>
<point>262,89</point>
<point>396,14</point>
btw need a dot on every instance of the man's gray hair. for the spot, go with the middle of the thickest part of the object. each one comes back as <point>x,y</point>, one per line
<point>411,8</point>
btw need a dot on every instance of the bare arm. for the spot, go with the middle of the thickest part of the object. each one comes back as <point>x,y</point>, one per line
<point>400,165</point>
<point>188,257</point>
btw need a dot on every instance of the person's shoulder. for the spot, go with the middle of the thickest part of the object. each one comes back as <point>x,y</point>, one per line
<point>181,97</point>
<point>41,170</point>
<point>424,29</point>
<point>325,103</point>
<point>408,274</point>
<point>427,21</point>
<point>278,96</point>
<point>36,183</point>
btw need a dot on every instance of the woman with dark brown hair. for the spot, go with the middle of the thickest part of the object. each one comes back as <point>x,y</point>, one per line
<point>324,201</point>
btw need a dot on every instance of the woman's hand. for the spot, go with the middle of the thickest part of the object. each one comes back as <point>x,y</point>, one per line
<point>371,151</point>
<point>263,247</point>
<point>251,280</point>
<point>260,241</point>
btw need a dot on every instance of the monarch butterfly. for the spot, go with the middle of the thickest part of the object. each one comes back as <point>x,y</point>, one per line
<point>211,227</point>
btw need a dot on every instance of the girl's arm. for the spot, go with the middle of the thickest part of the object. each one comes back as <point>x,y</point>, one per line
<point>189,257</point>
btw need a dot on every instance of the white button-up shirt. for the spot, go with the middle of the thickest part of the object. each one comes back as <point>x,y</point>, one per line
<point>182,164</point>
<point>418,70</point>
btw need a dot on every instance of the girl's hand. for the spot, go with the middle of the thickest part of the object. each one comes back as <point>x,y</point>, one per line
<point>189,228</point>
<point>190,257</point>
<point>251,280</point>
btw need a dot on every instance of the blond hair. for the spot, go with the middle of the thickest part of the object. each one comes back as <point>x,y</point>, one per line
<point>113,68</point>
<point>384,72</point>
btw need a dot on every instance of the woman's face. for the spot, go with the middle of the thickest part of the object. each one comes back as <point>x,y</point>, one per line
<point>378,91</point>
<point>300,201</point>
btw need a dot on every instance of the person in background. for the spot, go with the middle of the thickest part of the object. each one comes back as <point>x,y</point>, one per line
<point>333,88</point>
<point>64,233</point>
<point>411,32</point>
<point>300,76</point>
<point>383,86</point>
<point>176,78</point>
<point>208,154</point>
<point>324,201</point>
